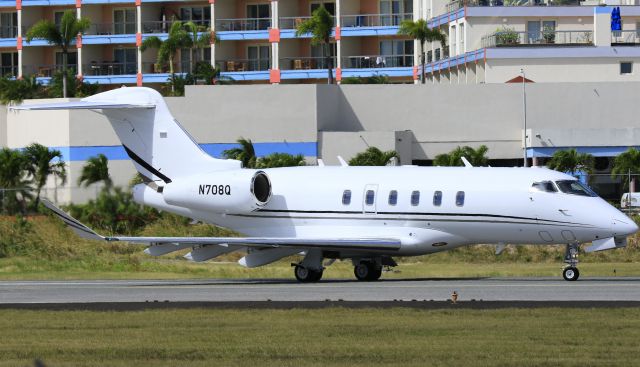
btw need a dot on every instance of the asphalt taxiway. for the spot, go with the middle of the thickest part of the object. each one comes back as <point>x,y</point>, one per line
<point>556,290</point>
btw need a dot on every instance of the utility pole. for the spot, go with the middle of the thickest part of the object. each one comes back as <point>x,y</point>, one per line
<point>524,115</point>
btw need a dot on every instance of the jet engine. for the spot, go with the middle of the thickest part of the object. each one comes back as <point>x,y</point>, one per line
<point>239,191</point>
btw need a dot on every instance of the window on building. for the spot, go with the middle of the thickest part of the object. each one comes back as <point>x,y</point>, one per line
<point>437,198</point>
<point>393,12</point>
<point>437,54</point>
<point>541,31</point>
<point>330,6</point>
<point>395,53</point>
<point>460,198</point>
<point>9,25</point>
<point>9,63</point>
<point>72,58</point>
<point>259,16</point>
<point>370,197</point>
<point>319,55</point>
<point>453,38</point>
<point>189,58</point>
<point>258,57</point>
<point>124,21</point>
<point>346,197</point>
<point>57,17</point>
<point>626,67</point>
<point>393,197</point>
<point>126,60</point>
<point>429,56</point>
<point>415,198</point>
<point>200,15</point>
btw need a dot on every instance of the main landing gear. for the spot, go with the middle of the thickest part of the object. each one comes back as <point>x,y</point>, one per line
<point>570,272</point>
<point>310,269</point>
<point>367,271</point>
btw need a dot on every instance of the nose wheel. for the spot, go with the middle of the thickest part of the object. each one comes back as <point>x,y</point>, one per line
<point>571,273</point>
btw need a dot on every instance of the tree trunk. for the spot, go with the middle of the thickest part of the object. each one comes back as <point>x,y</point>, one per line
<point>64,73</point>
<point>329,64</point>
<point>173,77</point>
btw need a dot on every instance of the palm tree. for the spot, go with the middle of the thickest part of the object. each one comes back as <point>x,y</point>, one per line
<point>571,161</point>
<point>16,90</point>
<point>13,181</point>
<point>43,163</point>
<point>200,38</point>
<point>477,157</point>
<point>280,160</point>
<point>245,153</point>
<point>625,163</point>
<point>319,26</point>
<point>96,170</point>
<point>373,157</point>
<point>61,35</point>
<point>177,39</point>
<point>420,31</point>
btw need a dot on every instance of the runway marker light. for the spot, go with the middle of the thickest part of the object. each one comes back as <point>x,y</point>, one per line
<point>454,297</point>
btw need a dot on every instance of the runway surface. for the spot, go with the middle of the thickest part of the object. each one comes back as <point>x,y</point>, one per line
<point>216,290</point>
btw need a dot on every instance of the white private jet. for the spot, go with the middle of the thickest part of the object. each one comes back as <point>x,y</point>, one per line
<point>366,214</point>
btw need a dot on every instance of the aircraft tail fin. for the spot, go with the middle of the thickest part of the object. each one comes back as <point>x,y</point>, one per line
<point>156,143</point>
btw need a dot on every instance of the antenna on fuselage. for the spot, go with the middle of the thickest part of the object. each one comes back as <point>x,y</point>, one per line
<point>466,162</point>
<point>320,162</point>
<point>343,163</point>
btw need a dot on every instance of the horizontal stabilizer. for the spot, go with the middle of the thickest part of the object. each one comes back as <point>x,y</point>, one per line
<point>80,105</point>
<point>607,244</point>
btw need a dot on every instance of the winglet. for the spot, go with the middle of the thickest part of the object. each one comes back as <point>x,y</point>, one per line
<point>79,228</point>
<point>466,162</point>
<point>343,163</point>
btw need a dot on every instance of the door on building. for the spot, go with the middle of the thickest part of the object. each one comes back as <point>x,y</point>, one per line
<point>259,57</point>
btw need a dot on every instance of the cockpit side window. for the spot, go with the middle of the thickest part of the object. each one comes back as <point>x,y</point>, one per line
<point>575,187</point>
<point>544,186</point>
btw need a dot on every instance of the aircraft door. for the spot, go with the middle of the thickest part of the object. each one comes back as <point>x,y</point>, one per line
<point>369,199</point>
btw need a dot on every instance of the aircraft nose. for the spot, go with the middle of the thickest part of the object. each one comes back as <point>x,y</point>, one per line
<point>624,226</point>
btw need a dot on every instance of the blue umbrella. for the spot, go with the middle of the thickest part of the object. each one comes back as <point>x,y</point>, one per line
<point>616,24</point>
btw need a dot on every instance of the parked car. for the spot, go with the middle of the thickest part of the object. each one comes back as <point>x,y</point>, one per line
<point>630,200</point>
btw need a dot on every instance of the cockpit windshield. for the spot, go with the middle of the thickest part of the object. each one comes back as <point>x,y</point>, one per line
<point>575,187</point>
<point>545,186</point>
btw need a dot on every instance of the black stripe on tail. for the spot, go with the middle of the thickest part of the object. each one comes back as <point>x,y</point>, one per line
<point>146,165</point>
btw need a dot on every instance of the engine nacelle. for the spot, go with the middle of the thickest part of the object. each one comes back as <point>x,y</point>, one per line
<point>239,191</point>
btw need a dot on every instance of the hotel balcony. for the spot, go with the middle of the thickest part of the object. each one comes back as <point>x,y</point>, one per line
<point>625,38</point>
<point>537,39</point>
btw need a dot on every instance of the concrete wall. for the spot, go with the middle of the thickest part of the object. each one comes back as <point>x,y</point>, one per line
<point>3,126</point>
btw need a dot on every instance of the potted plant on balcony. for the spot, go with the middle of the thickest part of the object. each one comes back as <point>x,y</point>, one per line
<point>506,36</point>
<point>549,35</point>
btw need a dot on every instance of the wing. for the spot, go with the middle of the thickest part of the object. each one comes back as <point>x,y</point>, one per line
<point>361,244</point>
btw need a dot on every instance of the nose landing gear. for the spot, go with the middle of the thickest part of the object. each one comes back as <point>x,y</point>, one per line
<point>570,272</point>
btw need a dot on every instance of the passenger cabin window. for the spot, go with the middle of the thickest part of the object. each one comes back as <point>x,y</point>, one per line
<point>393,197</point>
<point>346,197</point>
<point>575,187</point>
<point>370,197</point>
<point>460,198</point>
<point>545,186</point>
<point>415,198</point>
<point>437,198</point>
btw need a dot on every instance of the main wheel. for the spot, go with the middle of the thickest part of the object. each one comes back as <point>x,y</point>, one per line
<point>367,271</point>
<point>570,273</point>
<point>307,275</point>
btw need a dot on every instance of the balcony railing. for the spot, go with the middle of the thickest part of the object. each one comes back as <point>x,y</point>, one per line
<point>291,22</point>
<point>377,61</point>
<point>110,68</point>
<point>541,38</point>
<point>238,65</point>
<point>112,28</point>
<point>8,31</point>
<point>48,70</point>
<point>8,70</point>
<point>375,20</point>
<point>457,4</point>
<point>625,37</point>
<point>305,63</point>
<point>244,24</point>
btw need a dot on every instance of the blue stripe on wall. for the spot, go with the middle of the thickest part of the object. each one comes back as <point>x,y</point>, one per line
<point>117,152</point>
<point>545,152</point>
